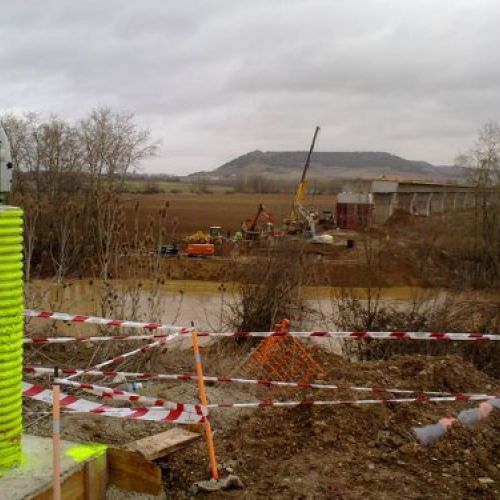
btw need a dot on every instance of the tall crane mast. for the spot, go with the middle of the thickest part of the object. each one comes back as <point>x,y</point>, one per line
<point>302,185</point>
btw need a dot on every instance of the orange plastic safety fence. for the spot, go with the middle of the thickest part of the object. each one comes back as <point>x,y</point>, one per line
<point>283,358</point>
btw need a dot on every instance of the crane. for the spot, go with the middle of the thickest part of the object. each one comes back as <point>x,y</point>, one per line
<point>297,209</point>
<point>293,224</point>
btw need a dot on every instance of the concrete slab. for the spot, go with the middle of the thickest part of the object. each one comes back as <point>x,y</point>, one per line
<point>34,475</point>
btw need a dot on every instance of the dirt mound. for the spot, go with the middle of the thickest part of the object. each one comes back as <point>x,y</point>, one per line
<point>322,452</point>
<point>400,218</point>
<point>359,452</point>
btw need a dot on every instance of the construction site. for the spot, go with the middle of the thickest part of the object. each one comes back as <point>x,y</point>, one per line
<point>272,357</point>
<point>250,250</point>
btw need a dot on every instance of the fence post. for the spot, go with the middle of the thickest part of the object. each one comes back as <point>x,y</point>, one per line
<point>204,402</point>
<point>56,442</point>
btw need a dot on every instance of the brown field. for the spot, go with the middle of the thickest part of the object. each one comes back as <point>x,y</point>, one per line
<point>338,267</point>
<point>200,211</point>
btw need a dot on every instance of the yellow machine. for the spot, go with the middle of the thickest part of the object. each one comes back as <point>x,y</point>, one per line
<point>215,235</point>
<point>293,222</point>
<point>198,237</point>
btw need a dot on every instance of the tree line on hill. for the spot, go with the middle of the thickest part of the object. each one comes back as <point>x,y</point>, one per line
<point>261,184</point>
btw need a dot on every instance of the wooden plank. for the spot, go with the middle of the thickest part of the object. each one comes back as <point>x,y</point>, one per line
<point>164,443</point>
<point>96,478</point>
<point>72,488</point>
<point>130,471</point>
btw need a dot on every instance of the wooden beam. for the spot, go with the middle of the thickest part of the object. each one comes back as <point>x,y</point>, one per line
<point>86,482</point>
<point>96,478</point>
<point>130,471</point>
<point>72,487</point>
<point>164,443</point>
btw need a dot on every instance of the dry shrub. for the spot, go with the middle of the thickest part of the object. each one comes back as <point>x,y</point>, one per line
<point>268,292</point>
<point>434,311</point>
<point>264,295</point>
<point>456,309</point>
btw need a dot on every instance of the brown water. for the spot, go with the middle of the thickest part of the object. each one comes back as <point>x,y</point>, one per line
<point>206,304</point>
<point>181,302</point>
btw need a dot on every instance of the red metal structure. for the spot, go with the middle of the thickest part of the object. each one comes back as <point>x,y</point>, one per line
<point>354,215</point>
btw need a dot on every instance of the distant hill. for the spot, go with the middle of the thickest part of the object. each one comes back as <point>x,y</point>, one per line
<point>329,165</point>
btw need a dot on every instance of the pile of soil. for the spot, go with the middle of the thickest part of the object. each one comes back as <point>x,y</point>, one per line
<point>358,452</point>
<point>321,452</point>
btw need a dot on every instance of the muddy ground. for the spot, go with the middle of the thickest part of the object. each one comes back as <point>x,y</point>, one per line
<point>191,212</point>
<point>307,453</point>
<point>403,252</point>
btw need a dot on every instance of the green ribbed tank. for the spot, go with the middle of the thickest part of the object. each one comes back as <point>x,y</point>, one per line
<point>11,335</point>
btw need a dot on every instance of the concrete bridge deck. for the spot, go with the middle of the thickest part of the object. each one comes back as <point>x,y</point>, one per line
<point>418,198</point>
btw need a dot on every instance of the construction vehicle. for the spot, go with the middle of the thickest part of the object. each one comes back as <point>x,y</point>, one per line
<point>293,223</point>
<point>215,235</point>
<point>200,250</point>
<point>248,227</point>
<point>198,237</point>
<point>327,219</point>
<point>168,250</point>
<point>301,220</point>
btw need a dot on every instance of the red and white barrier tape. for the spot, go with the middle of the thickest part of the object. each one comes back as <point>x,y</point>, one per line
<point>111,393</point>
<point>351,402</point>
<point>266,383</point>
<point>96,320</point>
<point>332,335</point>
<point>40,339</point>
<point>122,357</point>
<point>360,335</point>
<point>396,335</point>
<point>177,415</point>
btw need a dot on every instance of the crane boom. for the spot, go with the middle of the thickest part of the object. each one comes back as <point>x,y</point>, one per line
<point>308,160</point>
<point>301,187</point>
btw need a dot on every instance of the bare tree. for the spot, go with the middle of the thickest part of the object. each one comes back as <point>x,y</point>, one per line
<point>480,248</point>
<point>72,173</point>
<point>113,144</point>
<point>483,160</point>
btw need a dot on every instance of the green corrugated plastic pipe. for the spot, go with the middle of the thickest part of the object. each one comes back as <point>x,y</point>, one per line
<point>11,335</point>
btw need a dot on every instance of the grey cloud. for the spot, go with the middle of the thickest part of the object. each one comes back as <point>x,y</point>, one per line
<point>213,79</point>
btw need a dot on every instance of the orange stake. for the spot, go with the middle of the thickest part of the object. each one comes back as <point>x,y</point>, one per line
<point>204,402</point>
<point>56,442</point>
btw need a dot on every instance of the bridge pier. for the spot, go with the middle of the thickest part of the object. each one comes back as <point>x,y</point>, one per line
<point>406,202</point>
<point>385,204</point>
<point>423,204</point>
<point>437,203</point>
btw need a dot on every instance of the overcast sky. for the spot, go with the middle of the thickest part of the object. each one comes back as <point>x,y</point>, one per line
<point>216,79</point>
